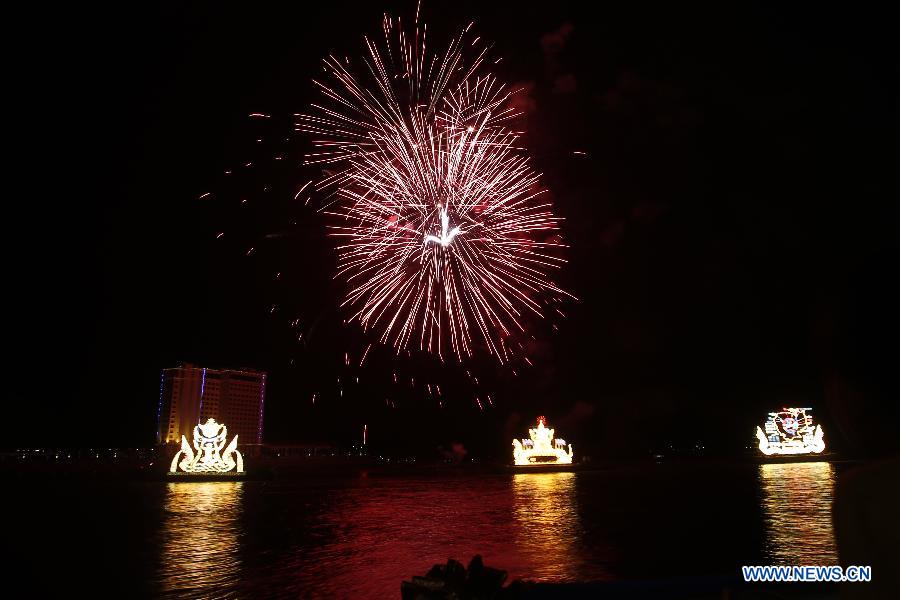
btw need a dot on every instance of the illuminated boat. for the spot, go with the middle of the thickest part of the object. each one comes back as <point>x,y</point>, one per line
<point>790,432</point>
<point>542,450</point>
<point>212,459</point>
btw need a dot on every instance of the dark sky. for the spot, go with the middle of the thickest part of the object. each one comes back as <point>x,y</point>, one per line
<point>733,225</point>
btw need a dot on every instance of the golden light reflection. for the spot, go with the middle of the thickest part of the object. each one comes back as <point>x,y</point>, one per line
<point>548,528</point>
<point>200,538</point>
<point>797,504</point>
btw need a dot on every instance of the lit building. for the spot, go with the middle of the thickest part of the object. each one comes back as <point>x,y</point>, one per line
<point>190,395</point>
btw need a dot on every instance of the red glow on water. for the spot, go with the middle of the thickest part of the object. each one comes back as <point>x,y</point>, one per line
<point>527,526</point>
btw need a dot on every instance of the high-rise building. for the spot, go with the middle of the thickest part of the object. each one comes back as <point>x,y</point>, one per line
<point>189,395</point>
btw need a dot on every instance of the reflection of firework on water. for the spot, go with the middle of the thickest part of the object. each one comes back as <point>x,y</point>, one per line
<point>445,240</point>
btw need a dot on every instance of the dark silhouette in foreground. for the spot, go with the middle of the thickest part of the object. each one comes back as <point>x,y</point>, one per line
<point>453,580</point>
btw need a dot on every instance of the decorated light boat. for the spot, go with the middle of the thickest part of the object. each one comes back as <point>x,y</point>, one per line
<point>542,450</point>
<point>210,458</point>
<point>791,432</point>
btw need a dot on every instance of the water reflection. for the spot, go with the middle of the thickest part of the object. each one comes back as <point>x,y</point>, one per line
<point>797,512</point>
<point>375,534</point>
<point>547,526</point>
<point>200,539</point>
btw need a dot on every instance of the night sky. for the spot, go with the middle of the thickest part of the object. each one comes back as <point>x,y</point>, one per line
<point>732,226</point>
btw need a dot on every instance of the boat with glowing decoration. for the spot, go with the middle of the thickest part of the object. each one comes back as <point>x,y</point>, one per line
<point>542,451</point>
<point>209,459</point>
<point>791,434</point>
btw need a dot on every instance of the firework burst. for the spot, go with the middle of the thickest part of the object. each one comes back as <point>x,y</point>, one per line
<point>446,243</point>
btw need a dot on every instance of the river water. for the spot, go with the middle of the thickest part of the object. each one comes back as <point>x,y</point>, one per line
<point>360,535</point>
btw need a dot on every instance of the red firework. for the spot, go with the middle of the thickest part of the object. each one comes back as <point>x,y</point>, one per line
<point>446,241</point>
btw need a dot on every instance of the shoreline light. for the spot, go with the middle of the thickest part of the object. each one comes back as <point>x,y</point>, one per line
<point>210,458</point>
<point>542,448</point>
<point>790,431</point>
